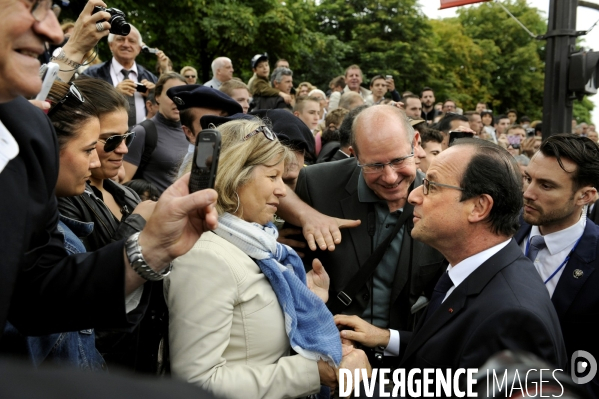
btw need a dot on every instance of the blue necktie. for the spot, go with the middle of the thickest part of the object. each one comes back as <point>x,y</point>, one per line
<point>536,244</point>
<point>443,285</point>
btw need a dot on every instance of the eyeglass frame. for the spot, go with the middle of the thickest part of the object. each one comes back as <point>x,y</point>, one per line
<point>122,137</point>
<point>426,183</point>
<point>382,165</point>
<point>190,76</point>
<point>264,130</point>
<point>72,90</point>
<point>36,7</point>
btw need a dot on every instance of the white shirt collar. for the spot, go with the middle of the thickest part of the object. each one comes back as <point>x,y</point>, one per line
<point>462,270</point>
<point>9,148</point>
<point>118,68</point>
<point>558,241</point>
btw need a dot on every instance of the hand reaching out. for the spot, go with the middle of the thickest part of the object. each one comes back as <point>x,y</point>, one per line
<point>318,280</point>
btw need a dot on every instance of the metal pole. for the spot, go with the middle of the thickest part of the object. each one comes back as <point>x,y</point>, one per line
<point>561,39</point>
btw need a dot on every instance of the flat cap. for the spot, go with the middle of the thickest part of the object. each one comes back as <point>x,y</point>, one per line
<point>258,58</point>
<point>191,96</point>
<point>296,133</point>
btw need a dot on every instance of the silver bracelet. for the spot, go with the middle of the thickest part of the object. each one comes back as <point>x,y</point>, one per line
<point>139,264</point>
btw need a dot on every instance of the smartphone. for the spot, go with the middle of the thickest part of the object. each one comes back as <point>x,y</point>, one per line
<point>48,73</point>
<point>514,140</point>
<point>205,160</point>
<point>453,135</point>
<point>141,88</point>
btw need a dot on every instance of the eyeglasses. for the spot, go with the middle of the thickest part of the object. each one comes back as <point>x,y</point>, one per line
<point>111,143</point>
<point>190,76</point>
<point>262,129</point>
<point>40,9</point>
<point>396,164</point>
<point>426,183</point>
<point>73,93</point>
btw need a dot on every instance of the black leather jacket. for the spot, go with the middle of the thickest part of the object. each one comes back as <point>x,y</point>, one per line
<point>89,207</point>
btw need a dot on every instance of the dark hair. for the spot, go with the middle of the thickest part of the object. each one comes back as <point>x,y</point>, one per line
<point>426,89</point>
<point>186,118</point>
<point>500,117</point>
<point>376,77</point>
<point>578,149</point>
<point>68,117</point>
<point>538,128</point>
<point>444,124</point>
<point>449,100</point>
<point>151,96</point>
<point>404,98</point>
<point>345,128</point>
<point>421,128</point>
<point>511,110</point>
<point>165,77</point>
<point>141,187</point>
<point>431,135</point>
<point>494,171</point>
<point>339,81</point>
<point>105,97</point>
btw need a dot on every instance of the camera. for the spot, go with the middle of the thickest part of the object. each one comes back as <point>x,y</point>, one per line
<point>118,24</point>
<point>149,50</point>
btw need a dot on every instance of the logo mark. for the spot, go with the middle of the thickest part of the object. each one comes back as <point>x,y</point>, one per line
<point>589,363</point>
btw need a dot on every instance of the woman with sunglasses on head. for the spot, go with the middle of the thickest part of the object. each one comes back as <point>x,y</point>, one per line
<point>77,127</point>
<point>238,300</point>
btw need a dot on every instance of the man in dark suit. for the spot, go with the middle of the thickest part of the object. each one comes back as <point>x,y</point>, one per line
<point>42,290</point>
<point>559,181</point>
<point>491,297</point>
<point>373,187</point>
<point>124,73</point>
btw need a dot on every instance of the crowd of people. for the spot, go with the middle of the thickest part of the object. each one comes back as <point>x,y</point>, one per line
<point>348,228</point>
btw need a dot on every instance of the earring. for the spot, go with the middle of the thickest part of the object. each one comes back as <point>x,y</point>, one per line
<point>236,209</point>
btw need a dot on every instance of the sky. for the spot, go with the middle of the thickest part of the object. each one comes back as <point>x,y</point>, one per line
<point>586,17</point>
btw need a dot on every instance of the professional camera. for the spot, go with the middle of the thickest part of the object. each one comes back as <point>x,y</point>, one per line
<point>118,25</point>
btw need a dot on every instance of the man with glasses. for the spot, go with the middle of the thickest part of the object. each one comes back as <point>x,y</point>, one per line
<point>490,297</point>
<point>43,290</point>
<point>373,187</point>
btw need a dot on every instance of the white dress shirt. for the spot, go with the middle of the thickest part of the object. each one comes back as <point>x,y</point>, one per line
<point>559,245</point>
<point>9,148</point>
<point>117,77</point>
<point>457,274</point>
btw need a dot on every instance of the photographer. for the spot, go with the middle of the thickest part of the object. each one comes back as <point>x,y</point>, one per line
<point>130,79</point>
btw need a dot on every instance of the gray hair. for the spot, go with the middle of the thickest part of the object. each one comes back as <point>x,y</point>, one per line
<point>133,28</point>
<point>277,74</point>
<point>218,63</point>
<point>317,91</point>
<point>522,159</point>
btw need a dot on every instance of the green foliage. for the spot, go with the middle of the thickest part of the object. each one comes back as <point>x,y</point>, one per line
<point>582,110</point>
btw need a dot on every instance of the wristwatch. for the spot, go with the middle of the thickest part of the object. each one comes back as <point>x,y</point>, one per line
<point>138,263</point>
<point>59,55</point>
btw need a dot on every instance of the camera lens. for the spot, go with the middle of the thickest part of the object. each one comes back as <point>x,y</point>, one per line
<point>119,26</point>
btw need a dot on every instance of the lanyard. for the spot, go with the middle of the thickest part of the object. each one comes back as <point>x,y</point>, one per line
<point>562,264</point>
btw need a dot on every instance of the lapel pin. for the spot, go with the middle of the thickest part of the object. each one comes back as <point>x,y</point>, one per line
<point>450,310</point>
<point>578,273</point>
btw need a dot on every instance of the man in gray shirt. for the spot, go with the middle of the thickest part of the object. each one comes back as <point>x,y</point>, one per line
<point>222,71</point>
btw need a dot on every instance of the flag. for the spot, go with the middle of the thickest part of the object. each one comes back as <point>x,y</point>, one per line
<point>455,3</point>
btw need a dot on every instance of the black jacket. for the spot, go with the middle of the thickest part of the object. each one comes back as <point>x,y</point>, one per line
<point>102,71</point>
<point>89,207</point>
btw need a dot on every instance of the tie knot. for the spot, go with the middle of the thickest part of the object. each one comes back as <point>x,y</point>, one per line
<point>444,284</point>
<point>538,242</point>
<point>125,73</point>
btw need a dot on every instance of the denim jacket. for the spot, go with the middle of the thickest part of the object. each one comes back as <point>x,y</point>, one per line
<point>69,348</point>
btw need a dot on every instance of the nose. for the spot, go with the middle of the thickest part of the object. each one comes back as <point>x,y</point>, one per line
<point>49,29</point>
<point>389,175</point>
<point>415,197</point>
<point>94,160</point>
<point>280,188</point>
<point>528,191</point>
<point>122,148</point>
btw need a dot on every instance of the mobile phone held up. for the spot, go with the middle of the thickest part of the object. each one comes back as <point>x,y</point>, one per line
<point>454,135</point>
<point>205,160</point>
<point>48,73</point>
<point>141,88</point>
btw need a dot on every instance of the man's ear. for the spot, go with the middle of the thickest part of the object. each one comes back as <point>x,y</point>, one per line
<point>352,152</point>
<point>586,195</point>
<point>296,113</point>
<point>481,208</point>
<point>189,134</point>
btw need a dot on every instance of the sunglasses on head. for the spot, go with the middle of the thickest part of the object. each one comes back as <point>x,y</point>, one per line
<point>111,143</point>
<point>73,93</point>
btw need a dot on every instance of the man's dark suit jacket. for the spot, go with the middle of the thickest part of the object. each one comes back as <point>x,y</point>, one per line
<point>576,296</point>
<point>503,304</point>
<point>332,188</point>
<point>102,71</point>
<point>42,290</point>
<point>339,155</point>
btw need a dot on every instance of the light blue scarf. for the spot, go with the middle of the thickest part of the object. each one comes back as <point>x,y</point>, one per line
<point>309,324</point>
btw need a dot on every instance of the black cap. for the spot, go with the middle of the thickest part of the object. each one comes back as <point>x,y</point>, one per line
<point>258,58</point>
<point>290,129</point>
<point>190,96</point>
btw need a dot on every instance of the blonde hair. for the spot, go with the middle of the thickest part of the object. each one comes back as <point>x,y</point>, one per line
<point>238,158</point>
